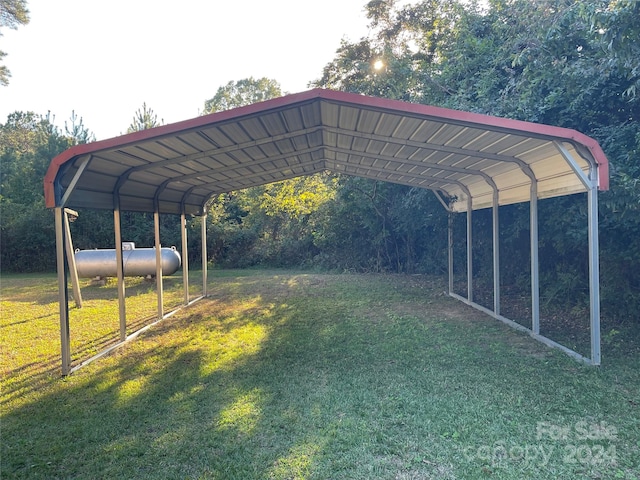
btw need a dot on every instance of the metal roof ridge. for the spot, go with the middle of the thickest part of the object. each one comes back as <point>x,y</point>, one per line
<point>471,119</point>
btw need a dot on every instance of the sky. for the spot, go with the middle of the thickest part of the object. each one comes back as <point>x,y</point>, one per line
<point>104,59</point>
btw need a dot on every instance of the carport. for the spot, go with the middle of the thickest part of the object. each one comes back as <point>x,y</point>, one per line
<point>470,161</point>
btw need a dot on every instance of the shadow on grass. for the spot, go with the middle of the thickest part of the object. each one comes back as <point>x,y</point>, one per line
<point>317,376</point>
<point>30,327</point>
<point>43,288</point>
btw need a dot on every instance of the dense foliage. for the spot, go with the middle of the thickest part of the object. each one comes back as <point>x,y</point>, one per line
<point>28,142</point>
<point>561,62</point>
<point>12,14</point>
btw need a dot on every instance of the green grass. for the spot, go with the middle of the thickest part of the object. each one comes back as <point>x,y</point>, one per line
<point>287,375</point>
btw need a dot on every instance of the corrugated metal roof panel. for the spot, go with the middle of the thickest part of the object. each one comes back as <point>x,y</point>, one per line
<point>274,124</point>
<point>255,127</point>
<point>309,132</point>
<point>311,114</point>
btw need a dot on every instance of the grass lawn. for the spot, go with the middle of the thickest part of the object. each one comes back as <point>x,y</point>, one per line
<point>286,375</point>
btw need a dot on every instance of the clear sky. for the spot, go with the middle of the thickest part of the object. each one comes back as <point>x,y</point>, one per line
<point>103,59</point>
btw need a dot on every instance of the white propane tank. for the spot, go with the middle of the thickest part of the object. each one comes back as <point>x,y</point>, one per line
<point>138,262</point>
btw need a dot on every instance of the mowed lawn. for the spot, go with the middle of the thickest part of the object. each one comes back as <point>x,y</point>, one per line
<point>287,375</point>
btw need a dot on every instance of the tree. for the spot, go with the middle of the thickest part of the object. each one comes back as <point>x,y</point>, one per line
<point>242,92</point>
<point>616,22</point>
<point>400,55</point>
<point>76,130</point>
<point>559,62</point>
<point>269,224</point>
<point>381,227</point>
<point>13,13</point>
<point>144,119</point>
<point>28,142</point>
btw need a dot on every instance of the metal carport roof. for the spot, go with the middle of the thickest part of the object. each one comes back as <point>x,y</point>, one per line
<point>176,168</point>
<point>470,161</point>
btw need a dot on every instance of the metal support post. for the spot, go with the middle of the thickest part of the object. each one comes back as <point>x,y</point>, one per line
<point>450,251</point>
<point>535,269</point>
<point>469,250</point>
<point>204,250</point>
<point>156,223</point>
<point>122,309</point>
<point>447,207</point>
<point>71,258</point>
<point>185,257</point>
<point>590,182</point>
<point>63,294</point>
<point>594,271</point>
<point>496,254</point>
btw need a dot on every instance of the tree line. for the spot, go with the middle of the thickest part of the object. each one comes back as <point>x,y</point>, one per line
<point>560,62</point>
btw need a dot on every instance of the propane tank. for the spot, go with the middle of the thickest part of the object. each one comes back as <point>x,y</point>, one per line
<point>137,262</point>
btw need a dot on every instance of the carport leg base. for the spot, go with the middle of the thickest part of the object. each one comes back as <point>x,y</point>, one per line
<point>541,338</point>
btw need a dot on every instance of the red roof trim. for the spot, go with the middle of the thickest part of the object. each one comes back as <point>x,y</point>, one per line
<point>331,95</point>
